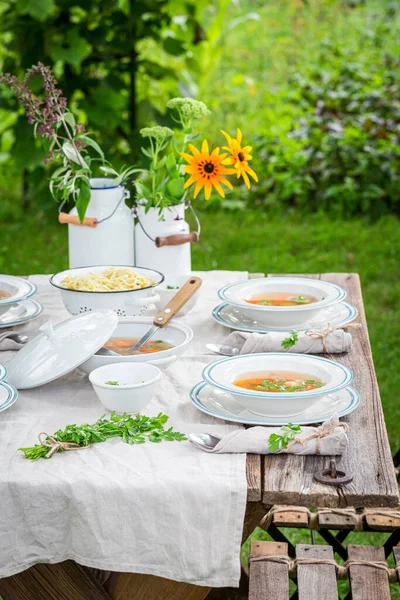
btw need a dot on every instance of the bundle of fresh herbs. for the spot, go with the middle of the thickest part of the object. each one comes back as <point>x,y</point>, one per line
<point>135,429</point>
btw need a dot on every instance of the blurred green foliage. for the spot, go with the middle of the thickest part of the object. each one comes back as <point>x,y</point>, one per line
<point>315,88</point>
<point>118,62</point>
<point>313,84</point>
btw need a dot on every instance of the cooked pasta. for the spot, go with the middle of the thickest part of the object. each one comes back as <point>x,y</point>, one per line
<point>113,279</point>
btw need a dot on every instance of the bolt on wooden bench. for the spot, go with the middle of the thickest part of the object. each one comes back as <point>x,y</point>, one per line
<point>316,573</point>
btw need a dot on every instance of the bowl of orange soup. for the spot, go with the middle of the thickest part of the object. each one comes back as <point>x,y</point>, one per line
<point>276,384</point>
<point>162,350</point>
<point>282,301</point>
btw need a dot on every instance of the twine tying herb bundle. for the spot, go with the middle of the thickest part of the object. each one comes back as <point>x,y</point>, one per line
<point>131,429</point>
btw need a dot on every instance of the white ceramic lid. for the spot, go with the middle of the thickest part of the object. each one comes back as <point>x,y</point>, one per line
<point>60,349</point>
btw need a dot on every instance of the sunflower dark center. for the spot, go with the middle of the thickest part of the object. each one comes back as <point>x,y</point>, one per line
<point>241,156</point>
<point>209,167</point>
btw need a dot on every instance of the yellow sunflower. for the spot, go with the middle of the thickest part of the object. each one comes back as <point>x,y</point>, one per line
<point>240,157</point>
<point>206,170</point>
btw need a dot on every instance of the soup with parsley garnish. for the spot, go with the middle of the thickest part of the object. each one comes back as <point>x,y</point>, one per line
<point>279,381</point>
<point>281,299</point>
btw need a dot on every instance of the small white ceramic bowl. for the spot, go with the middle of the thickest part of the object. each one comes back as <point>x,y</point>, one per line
<point>124,303</point>
<point>19,289</point>
<point>222,374</point>
<point>136,386</point>
<point>176,334</point>
<point>167,290</point>
<point>282,316</point>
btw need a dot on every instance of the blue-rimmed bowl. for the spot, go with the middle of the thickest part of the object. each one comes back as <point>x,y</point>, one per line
<point>222,375</point>
<point>8,395</point>
<point>240,294</point>
<point>16,289</point>
<point>3,372</point>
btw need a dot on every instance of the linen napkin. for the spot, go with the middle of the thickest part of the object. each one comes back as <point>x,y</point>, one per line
<point>329,439</point>
<point>7,343</point>
<point>332,341</point>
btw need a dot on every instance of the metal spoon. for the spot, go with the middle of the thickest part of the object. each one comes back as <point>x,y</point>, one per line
<point>205,440</point>
<point>20,338</point>
<point>222,349</point>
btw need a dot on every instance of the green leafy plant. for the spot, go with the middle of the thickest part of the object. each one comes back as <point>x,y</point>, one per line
<point>162,185</point>
<point>64,139</point>
<point>131,429</point>
<point>290,340</point>
<point>117,62</point>
<point>281,441</point>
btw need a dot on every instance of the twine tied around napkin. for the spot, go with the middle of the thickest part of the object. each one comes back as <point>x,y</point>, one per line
<point>329,439</point>
<point>323,333</point>
<point>55,446</point>
<point>332,340</point>
<point>320,433</point>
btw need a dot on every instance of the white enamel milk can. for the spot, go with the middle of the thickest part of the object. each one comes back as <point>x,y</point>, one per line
<point>106,236</point>
<point>163,239</point>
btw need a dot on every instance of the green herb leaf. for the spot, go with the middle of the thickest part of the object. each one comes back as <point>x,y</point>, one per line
<point>290,341</point>
<point>131,429</point>
<point>277,442</point>
<point>112,383</point>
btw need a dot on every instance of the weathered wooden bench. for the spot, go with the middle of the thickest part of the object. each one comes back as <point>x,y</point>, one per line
<point>316,573</point>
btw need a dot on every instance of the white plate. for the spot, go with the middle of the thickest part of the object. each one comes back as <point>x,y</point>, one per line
<point>8,395</point>
<point>222,405</point>
<point>337,315</point>
<point>21,312</point>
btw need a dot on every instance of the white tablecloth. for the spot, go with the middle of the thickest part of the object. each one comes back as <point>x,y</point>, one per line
<point>164,509</point>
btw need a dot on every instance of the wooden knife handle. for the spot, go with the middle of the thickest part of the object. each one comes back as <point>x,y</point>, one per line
<point>177,239</point>
<point>74,220</point>
<point>179,300</point>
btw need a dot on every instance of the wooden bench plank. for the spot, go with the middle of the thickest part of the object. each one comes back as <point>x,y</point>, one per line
<point>382,522</point>
<point>316,581</point>
<point>63,581</point>
<point>290,479</point>
<point>368,583</point>
<point>268,579</point>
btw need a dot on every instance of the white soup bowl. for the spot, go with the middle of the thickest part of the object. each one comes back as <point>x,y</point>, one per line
<point>223,373</point>
<point>18,289</point>
<point>136,386</point>
<point>176,334</point>
<point>282,316</point>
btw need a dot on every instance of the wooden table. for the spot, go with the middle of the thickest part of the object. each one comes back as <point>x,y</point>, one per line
<point>272,480</point>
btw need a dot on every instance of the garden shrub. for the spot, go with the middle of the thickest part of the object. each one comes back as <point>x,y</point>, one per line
<point>342,150</point>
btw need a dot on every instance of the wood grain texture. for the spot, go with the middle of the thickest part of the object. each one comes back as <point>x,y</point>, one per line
<point>316,581</point>
<point>268,580</point>
<point>134,586</point>
<point>290,479</point>
<point>63,581</point>
<point>254,465</point>
<point>368,583</point>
